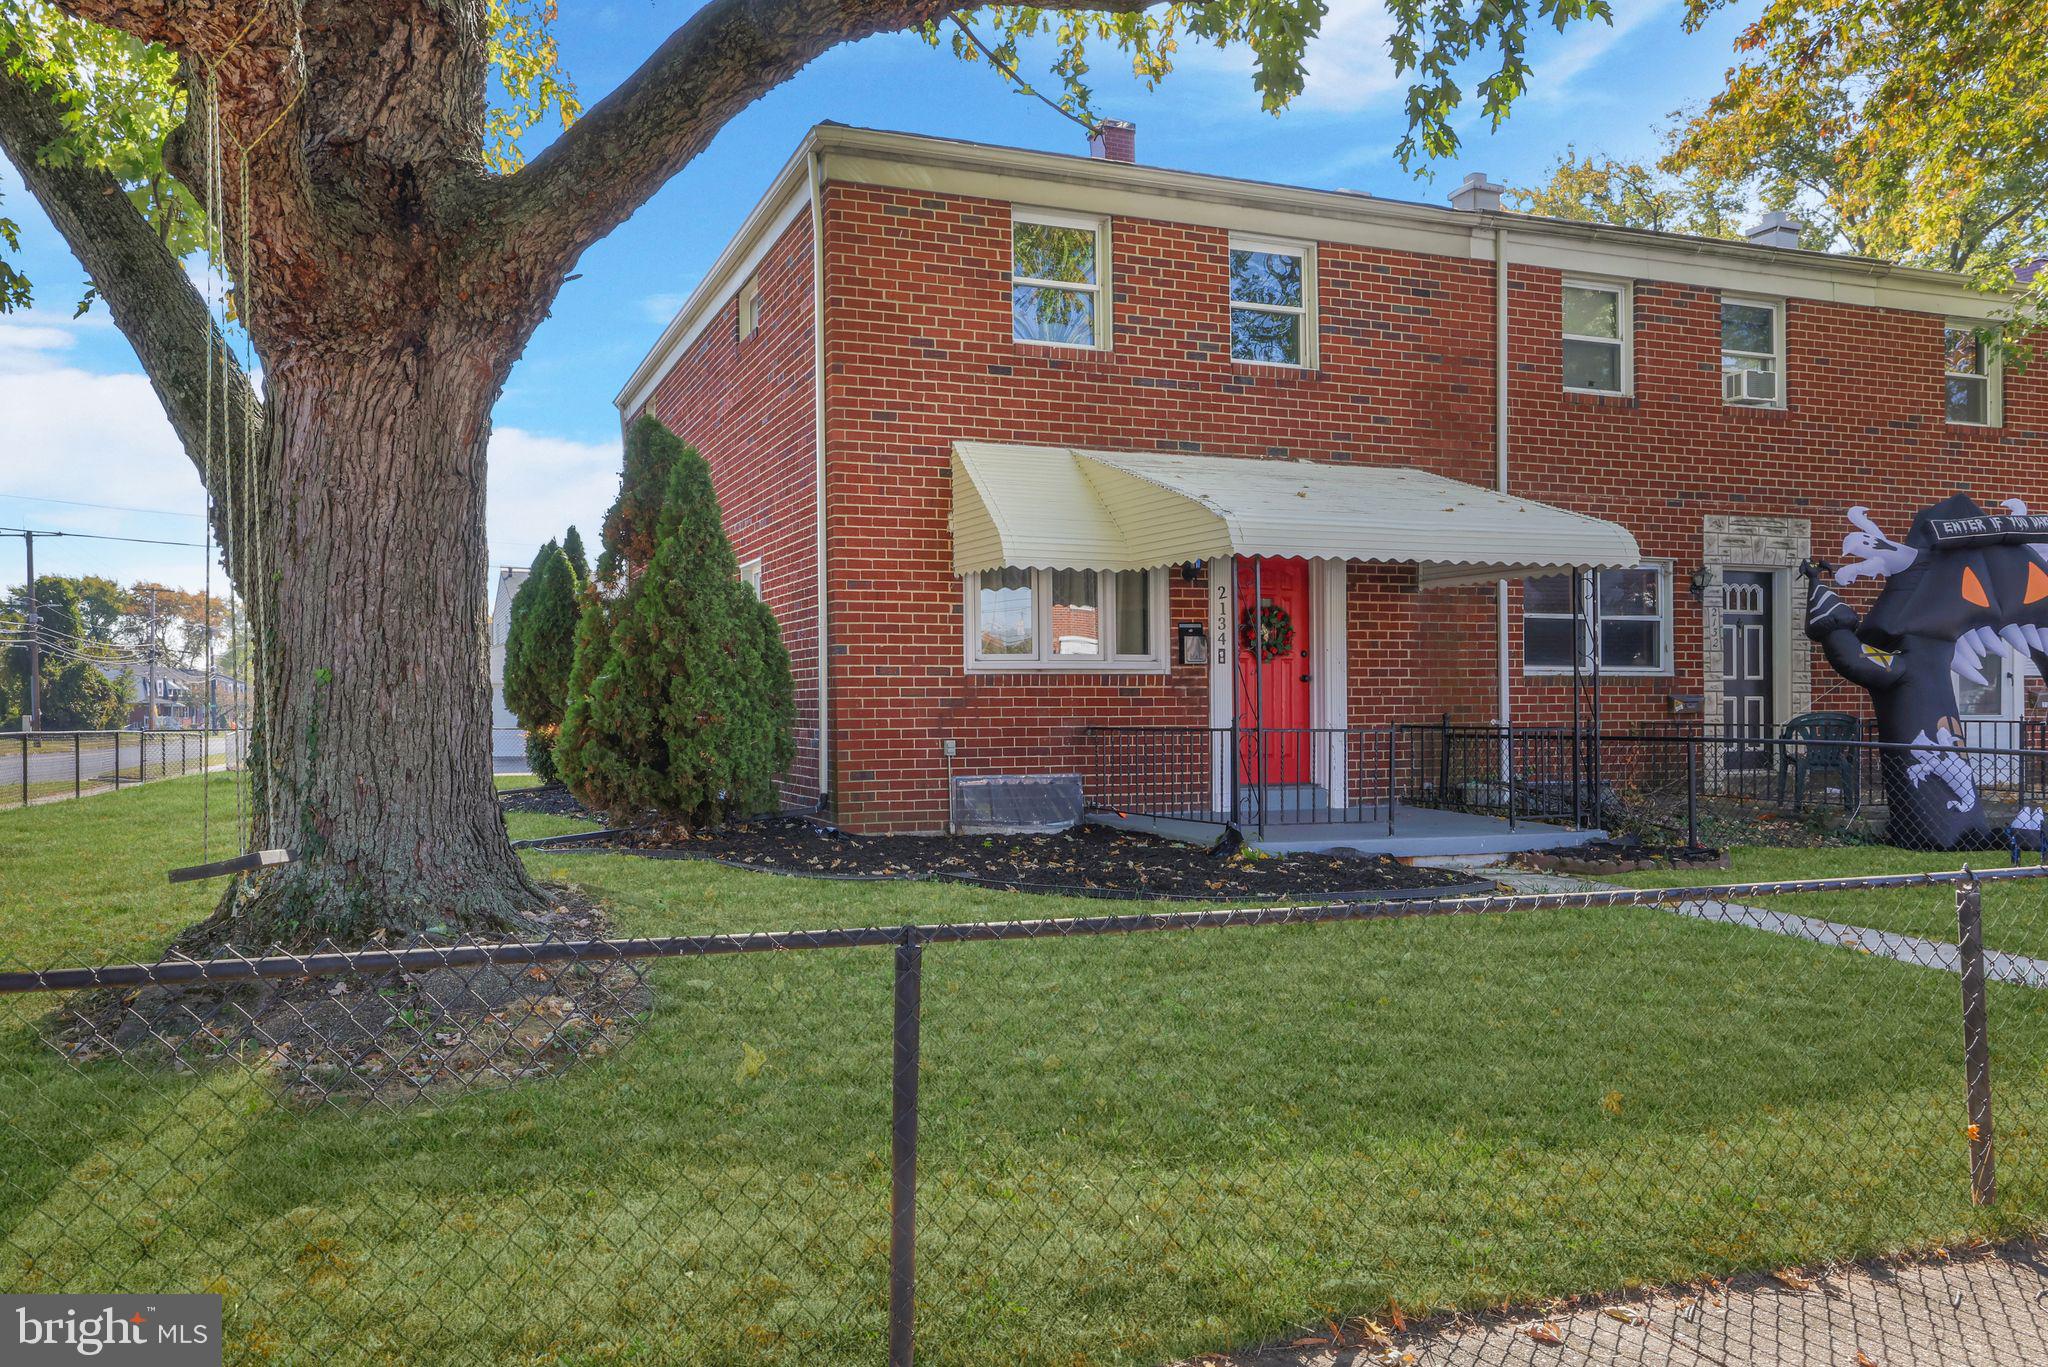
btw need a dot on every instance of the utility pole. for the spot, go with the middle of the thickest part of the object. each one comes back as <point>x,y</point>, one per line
<point>32,718</point>
<point>149,648</point>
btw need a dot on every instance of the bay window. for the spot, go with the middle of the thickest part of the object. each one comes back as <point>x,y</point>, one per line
<point>1066,619</point>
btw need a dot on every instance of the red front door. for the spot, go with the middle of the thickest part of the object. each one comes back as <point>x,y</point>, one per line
<point>1273,677</point>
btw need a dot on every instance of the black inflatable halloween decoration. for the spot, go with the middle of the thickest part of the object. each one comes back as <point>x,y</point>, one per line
<point>1964,589</point>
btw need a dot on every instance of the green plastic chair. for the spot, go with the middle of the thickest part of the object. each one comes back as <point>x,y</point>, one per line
<point>1820,750</point>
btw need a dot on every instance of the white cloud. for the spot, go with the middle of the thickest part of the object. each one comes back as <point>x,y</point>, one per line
<point>1585,45</point>
<point>540,485</point>
<point>660,308</point>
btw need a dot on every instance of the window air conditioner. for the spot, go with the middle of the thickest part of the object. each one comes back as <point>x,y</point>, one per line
<point>1749,386</point>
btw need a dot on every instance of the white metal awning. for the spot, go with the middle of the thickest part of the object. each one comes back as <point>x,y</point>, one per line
<point>1058,507</point>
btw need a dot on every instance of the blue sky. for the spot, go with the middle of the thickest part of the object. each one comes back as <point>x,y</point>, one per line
<point>79,423</point>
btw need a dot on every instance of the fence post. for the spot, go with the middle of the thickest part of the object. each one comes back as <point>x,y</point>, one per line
<point>903,1150</point>
<point>1391,735</point>
<point>24,768</point>
<point>1692,790</point>
<point>77,782</point>
<point>117,761</point>
<point>1976,1041</point>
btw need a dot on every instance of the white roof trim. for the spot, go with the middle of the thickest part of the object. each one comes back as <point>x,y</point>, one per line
<point>789,194</point>
<point>1090,185</point>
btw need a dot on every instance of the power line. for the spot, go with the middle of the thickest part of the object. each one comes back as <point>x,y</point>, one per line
<point>103,507</point>
<point>101,536</point>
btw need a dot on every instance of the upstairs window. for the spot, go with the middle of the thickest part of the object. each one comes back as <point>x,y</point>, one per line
<point>1056,270</point>
<point>750,307</point>
<point>1596,337</point>
<point>1066,619</point>
<point>1753,353</point>
<point>1972,383</point>
<point>1271,286</point>
<point>1634,607</point>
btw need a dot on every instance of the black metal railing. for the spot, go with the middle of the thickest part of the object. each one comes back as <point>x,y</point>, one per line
<point>1686,782</point>
<point>45,766</point>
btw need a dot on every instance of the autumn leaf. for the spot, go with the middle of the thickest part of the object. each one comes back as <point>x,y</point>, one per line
<point>1786,1276</point>
<point>752,1061</point>
<point>1545,1333</point>
<point>1864,1359</point>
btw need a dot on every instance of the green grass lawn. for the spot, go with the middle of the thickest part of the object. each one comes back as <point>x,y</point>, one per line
<point>2015,914</point>
<point>1132,1149</point>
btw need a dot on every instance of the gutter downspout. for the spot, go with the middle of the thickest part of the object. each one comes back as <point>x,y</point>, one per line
<point>1500,456</point>
<point>816,176</point>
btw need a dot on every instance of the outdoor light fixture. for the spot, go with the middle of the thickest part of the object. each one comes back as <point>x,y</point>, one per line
<point>1189,569</point>
<point>1697,585</point>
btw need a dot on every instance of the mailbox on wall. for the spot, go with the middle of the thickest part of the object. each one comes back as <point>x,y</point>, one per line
<point>1193,643</point>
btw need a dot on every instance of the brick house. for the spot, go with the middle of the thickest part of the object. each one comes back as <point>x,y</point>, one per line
<point>1003,436</point>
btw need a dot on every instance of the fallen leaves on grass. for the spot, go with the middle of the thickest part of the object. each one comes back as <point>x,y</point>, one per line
<point>1546,1332</point>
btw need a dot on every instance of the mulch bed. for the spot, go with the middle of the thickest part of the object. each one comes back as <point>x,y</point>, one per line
<point>377,1036</point>
<point>553,800</point>
<point>1621,856</point>
<point>1087,861</point>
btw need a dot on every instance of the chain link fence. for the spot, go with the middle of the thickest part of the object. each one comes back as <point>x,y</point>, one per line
<point>1781,1122</point>
<point>51,766</point>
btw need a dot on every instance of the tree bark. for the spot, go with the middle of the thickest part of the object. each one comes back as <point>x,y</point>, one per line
<point>363,584</point>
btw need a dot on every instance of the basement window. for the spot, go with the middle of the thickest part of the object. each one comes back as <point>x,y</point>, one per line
<point>1030,619</point>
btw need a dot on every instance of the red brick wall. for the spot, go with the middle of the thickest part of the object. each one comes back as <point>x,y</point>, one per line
<point>749,408</point>
<point>919,354</point>
<point>1863,423</point>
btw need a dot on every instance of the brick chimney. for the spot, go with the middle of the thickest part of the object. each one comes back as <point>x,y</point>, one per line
<point>1114,140</point>
<point>1477,195</point>
<point>1776,229</point>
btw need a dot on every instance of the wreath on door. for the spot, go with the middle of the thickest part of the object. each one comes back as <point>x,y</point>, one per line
<point>1268,633</point>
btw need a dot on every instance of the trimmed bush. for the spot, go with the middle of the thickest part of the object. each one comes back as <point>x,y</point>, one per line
<point>540,646</point>
<point>630,526</point>
<point>682,701</point>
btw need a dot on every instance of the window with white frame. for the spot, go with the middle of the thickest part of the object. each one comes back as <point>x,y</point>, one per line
<point>1596,337</point>
<point>1057,267</point>
<point>1971,375</point>
<point>1632,608</point>
<point>1753,352</point>
<point>749,307</point>
<point>750,574</point>
<point>1066,619</point>
<point>1272,298</point>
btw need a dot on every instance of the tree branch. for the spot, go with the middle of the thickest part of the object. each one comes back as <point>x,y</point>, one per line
<point>634,140</point>
<point>144,286</point>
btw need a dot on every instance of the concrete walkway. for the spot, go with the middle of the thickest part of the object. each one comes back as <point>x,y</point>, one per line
<point>1980,1310</point>
<point>2017,969</point>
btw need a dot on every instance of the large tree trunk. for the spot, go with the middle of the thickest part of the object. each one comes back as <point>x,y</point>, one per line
<point>365,575</point>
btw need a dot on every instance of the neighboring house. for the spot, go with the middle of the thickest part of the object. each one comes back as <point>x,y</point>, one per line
<point>508,742</point>
<point>182,697</point>
<point>1061,414</point>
